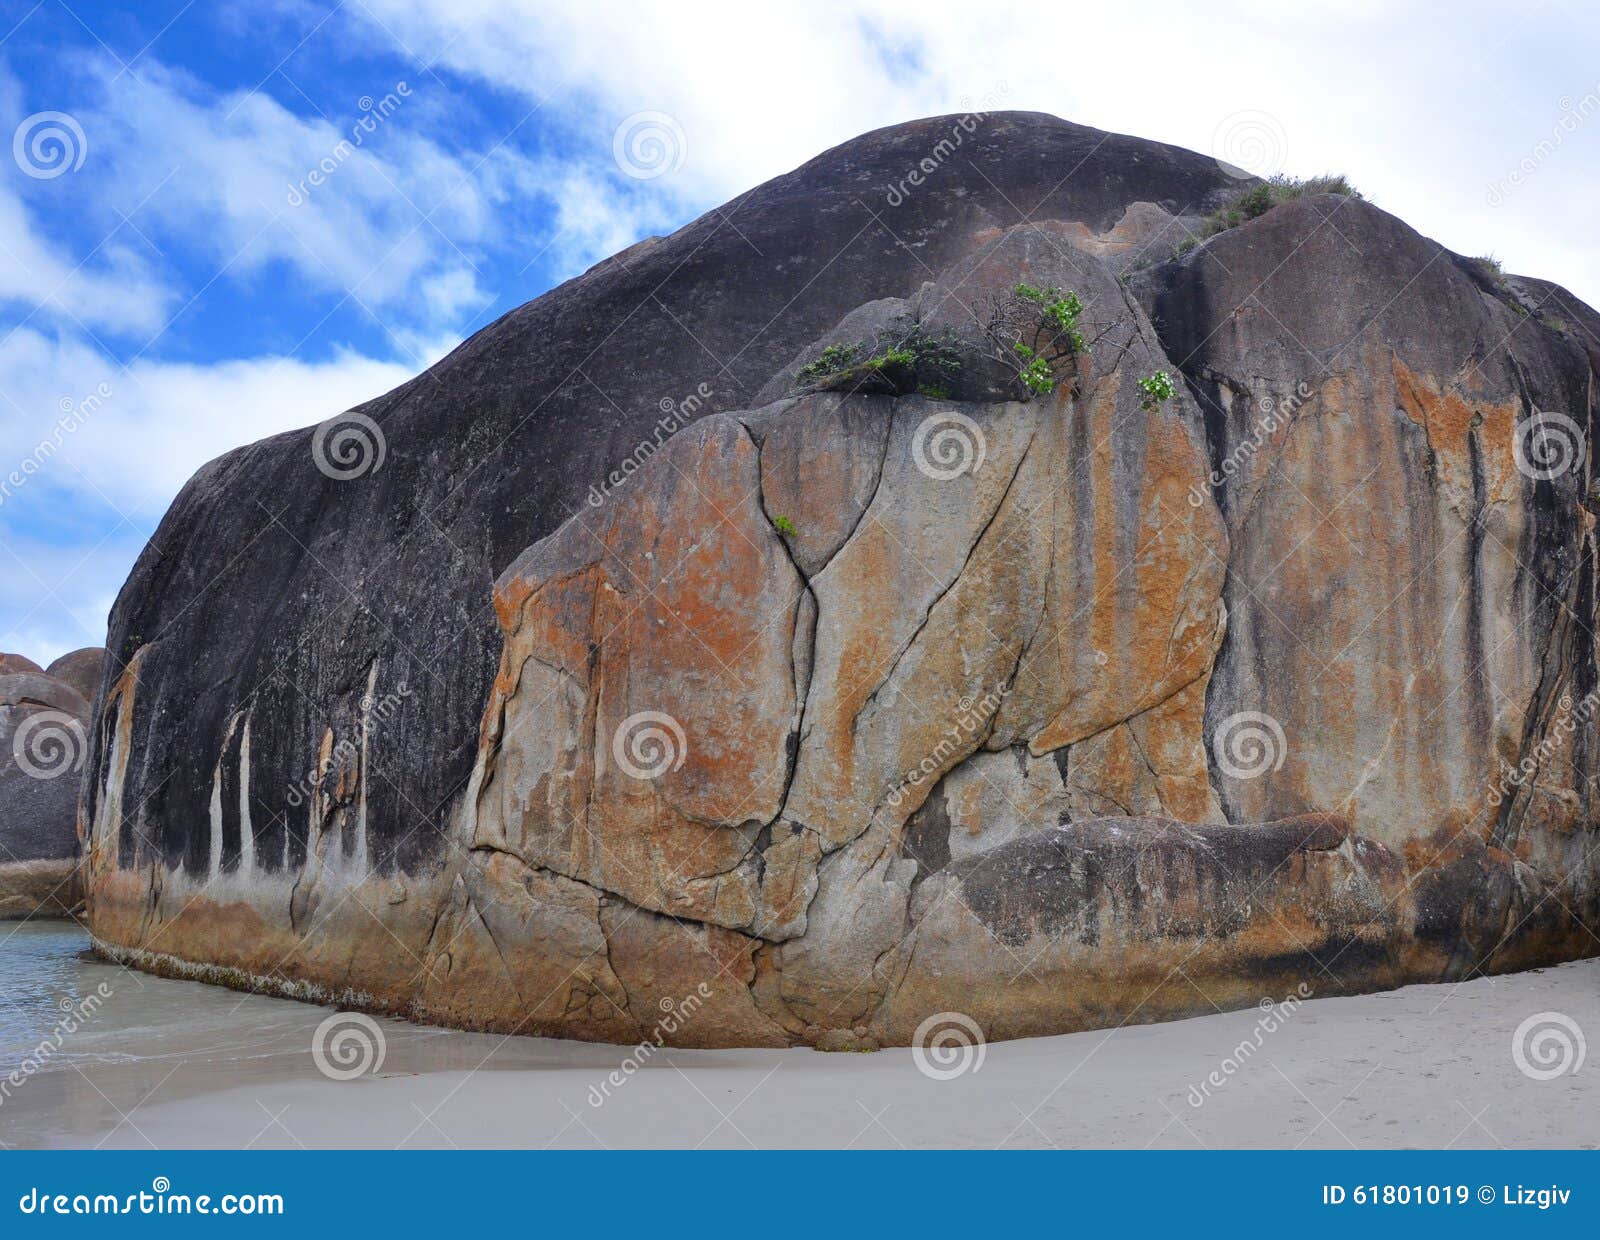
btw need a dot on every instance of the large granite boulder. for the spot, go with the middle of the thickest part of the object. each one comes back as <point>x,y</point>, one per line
<point>44,722</point>
<point>633,653</point>
<point>82,669</point>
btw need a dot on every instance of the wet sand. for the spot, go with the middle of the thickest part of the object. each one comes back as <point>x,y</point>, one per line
<point>171,1064</point>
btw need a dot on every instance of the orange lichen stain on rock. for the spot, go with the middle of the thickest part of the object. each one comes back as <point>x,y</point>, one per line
<point>1171,739</point>
<point>102,835</point>
<point>1107,629</point>
<point>1452,419</point>
<point>788,879</point>
<point>1179,565</point>
<point>869,644</point>
<point>1115,767</point>
<point>638,722</point>
<point>1142,620</point>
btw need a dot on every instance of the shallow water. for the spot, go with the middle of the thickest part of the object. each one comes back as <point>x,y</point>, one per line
<point>148,1041</point>
<point>39,968</point>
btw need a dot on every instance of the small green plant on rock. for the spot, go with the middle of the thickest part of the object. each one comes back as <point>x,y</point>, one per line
<point>784,526</point>
<point>1037,373</point>
<point>900,361</point>
<point>1261,198</point>
<point>1059,311</point>
<point>1038,332</point>
<point>1157,388</point>
<point>833,359</point>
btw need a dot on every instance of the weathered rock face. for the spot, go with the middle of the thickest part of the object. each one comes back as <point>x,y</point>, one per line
<point>836,710</point>
<point>44,721</point>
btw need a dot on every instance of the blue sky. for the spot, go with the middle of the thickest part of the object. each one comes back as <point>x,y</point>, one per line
<point>173,284</point>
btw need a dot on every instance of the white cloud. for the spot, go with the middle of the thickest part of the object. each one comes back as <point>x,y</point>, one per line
<point>363,204</point>
<point>121,443</point>
<point>152,425</point>
<point>1422,113</point>
<point>756,89</point>
<point>112,289</point>
<point>59,597</point>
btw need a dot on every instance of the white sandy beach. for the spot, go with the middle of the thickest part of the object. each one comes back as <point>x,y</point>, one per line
<point>171,1064</point>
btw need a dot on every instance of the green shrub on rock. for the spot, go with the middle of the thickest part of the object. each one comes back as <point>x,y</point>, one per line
<point>1157,389</point>
<point>898,363</point>
<point>1261,198</point>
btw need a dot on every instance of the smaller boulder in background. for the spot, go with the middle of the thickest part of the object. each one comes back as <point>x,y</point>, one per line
<point>44,721</point>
